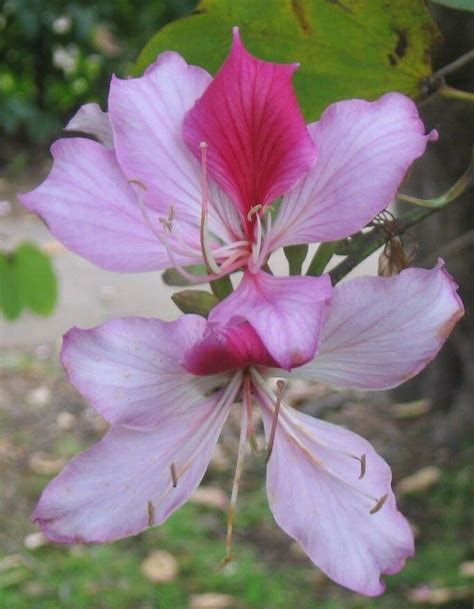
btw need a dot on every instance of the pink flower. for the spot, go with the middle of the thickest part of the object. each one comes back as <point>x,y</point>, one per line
<point>167,389</point>
<point>185,167</point>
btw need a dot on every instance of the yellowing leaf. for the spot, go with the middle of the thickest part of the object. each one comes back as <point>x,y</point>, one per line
<point>346,48</point>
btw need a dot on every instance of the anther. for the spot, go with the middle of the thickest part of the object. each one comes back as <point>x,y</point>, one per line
<point>363,465</point>
<point>174,475</point>
<point>271,438</point>
<point>379,505</point>
<point>253,210</point>
<point>168,222</point>
<point>151,514</point>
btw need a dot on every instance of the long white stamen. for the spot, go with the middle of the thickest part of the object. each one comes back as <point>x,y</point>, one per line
<point>266,399</point>
<point>271,435</point>
<point>206,250</point>
<point>264,250</point>
<point>236,483</point>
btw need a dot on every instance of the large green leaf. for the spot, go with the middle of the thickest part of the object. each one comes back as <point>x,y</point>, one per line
<point>346,48</point>
<point>35,278</point>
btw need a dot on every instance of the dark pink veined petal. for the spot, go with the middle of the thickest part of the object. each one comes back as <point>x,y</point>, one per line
<point>364,151</point>
<point>285,312</point>
<point>131,369</point>
<point>381,331</point>
<point>227,347</point>
<point>322,495</point>
<point>258,146</point>
<point>147,116</point>
<point>125,483</point>
<point>91,120</point>
<point>89,206</point>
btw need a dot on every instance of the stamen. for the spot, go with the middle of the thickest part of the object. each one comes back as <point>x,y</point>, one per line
<point>211,263</point>
<point>151,514</point>
<point>236,485</point>
<point>174,475</point>
<point>247,395</point>
<point>363,465</point>
<point>167,223</point>
<point>266,242</point>
<point>379,505</point>
<point>253,210</point>
<point>271,437</point>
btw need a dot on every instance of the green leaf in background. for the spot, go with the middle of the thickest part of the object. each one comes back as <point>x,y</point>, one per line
<point>462,5</point>
<point>27,280</point>
<point>36,279</point>
<point>346,48</point>
<point>199,302</point>
<point>10,304</point>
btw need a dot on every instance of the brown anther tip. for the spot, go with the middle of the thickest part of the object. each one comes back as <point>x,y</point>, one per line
<point>151,514</point>
<point>280,384</point>
<point>379,505</point>
<point>137,183</point>
<point>174,475</point>
<point>363,466</point>
<point>224,562</point>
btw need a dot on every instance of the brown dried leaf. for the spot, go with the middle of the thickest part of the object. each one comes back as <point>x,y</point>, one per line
<point>160,567</point>
<point>211,600</point>
<point>420,481</point>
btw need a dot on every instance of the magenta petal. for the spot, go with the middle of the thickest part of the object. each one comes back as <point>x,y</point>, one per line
<point>130,369</point>
<point>380,331</point>
<point>89,206</point>
<point>124,484</point>
<point>258,146</point>
<point>318,495</point>
<point>91,120</point>
<point>285,312</point>
<point>364,151</point>
<point>230,347</point>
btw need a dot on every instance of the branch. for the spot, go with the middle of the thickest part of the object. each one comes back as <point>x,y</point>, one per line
<point>365,244</point>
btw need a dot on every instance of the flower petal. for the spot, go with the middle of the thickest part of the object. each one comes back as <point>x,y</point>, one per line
<point>381,331</point>
<point>285,312</point>
<point>364,150</point>
<point>89,206</point>
<point>90,119</point>
<point>125,483</point>
<point>147,115</point>
<point>251,121</point>
<point>318,495</point>
<point>130,369</point>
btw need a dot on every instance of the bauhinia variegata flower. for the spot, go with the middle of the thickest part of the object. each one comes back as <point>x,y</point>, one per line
<point>185,169</point>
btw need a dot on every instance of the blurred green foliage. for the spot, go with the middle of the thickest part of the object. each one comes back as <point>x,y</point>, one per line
<point>27,280</point>
<point>56,55</point>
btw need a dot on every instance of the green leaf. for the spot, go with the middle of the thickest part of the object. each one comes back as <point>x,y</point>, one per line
<point>462,5</point>
<point>296,255</point>
<point>199,302</point>
<point>173,278</point>
<point>36,279</point>
<point>10,303</point>
<point>346,48</point>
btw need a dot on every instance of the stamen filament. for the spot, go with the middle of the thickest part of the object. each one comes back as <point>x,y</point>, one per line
<point>206,251</point>
<point>236,484</point>
<point>271,436</point>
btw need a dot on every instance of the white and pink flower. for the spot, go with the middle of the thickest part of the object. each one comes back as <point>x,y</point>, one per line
<point>184,170</point>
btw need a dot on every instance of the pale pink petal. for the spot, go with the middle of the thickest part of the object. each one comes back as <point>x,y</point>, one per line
<point>322,496</point>
<point>88,205</point>
<point>285,312</point>
<point>147,116</point>
<point>258,146</point>
<point>91,120</point>
<point>364,150</point>
<point>131,369</point>
<point>381,331</point>
<point>124,484</point>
